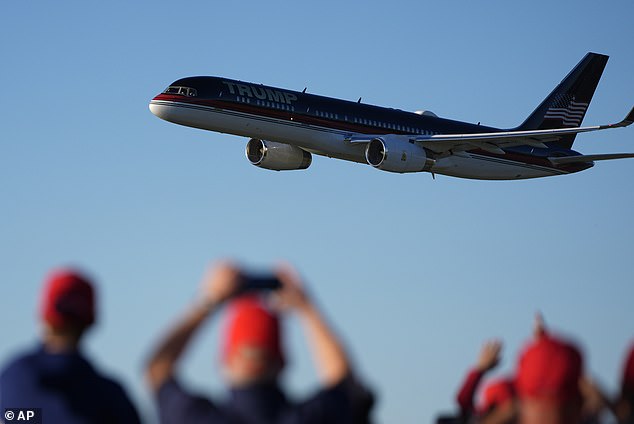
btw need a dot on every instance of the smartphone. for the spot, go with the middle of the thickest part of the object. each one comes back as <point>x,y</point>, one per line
<point>260,282</point>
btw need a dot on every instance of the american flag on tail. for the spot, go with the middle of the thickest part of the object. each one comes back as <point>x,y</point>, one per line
<point>565,107</point>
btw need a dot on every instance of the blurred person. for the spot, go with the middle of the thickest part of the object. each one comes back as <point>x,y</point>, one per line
<point>549,380</point>
<point>55,376</point>
<point>624,408</point>
<point>253,358</point>
<point>498,396</point>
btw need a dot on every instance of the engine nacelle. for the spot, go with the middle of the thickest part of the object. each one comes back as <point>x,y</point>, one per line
<point>277,156</point>
<point>397,155</point>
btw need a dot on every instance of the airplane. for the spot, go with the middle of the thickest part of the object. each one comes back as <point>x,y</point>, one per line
<point>286,127</point>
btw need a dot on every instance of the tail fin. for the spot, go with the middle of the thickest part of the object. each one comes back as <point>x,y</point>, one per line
<point>566,105</point>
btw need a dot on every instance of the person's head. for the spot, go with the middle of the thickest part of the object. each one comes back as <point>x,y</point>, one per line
<point>67,305</point>
<point>547,381</point>
<point>495,394</point>
<point>251,351</point>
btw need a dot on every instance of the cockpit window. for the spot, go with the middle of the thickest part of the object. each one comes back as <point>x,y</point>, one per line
<point>183,91</point>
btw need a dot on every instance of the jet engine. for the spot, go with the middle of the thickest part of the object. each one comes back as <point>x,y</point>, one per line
<point>277,156</point>
<point>397,155</point>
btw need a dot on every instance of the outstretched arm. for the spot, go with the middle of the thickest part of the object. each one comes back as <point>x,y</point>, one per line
<point>219,285</point>
<point>488,359</point>
<point>328,351</point>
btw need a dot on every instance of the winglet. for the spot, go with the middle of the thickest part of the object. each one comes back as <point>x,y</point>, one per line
<point>629,120</point>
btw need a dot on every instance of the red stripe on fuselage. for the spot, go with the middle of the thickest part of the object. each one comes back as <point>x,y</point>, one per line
<point>285,115</point>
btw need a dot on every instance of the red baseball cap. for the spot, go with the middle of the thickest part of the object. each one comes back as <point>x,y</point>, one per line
<point>496,393</point>
<point>68,299</point>
<point>250,323</point>
<point>549,369</point>
<point>627,386</point>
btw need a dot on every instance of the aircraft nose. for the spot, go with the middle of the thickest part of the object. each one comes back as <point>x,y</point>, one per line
<point>160,106</point>
<point>154,107</point>
<point>161,110</point>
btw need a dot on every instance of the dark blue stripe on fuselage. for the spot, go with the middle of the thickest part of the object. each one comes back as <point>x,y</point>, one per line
<point>310,105</point>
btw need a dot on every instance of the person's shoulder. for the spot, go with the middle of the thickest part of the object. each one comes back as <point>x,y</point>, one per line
<point>347,401</point>
<point>172,389</point>
<point>99,380</point>
<point>349,386</point>
<point>114,394</point>
<point>19,362</point>
<point>178,404</point>
<point>108,384</point>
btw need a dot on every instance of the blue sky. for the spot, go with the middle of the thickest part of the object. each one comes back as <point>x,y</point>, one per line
<point>415,273</point>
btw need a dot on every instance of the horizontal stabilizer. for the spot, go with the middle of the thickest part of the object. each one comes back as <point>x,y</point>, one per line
<point>589,158</point>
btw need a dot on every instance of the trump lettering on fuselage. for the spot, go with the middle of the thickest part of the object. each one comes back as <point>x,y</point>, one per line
<point>261,93</point>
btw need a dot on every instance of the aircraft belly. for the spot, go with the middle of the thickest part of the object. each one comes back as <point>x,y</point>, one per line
<point>473,166</point>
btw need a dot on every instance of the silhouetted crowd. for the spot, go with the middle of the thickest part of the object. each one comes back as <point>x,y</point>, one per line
<point>549,384</point>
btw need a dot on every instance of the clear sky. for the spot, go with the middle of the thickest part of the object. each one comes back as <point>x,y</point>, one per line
<point>415,273</point>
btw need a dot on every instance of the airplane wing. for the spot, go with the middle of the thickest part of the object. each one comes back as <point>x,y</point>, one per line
<point>494,142</point>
